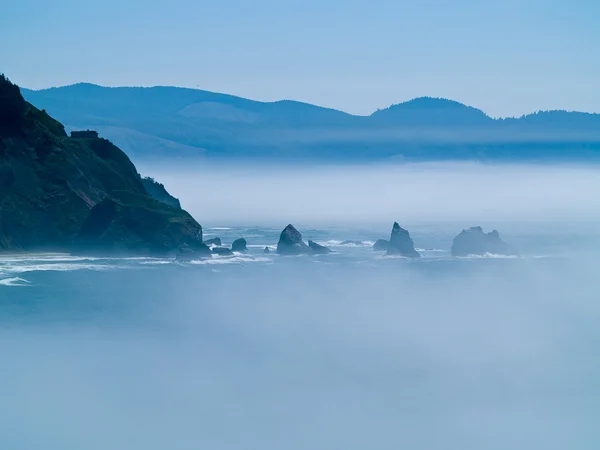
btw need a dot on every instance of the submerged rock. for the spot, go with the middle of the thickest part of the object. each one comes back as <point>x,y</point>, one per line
<point>291,243</point>
<point>239,245</point>
<point>214,241</point>
<point>381,245</point>
<point>187,253</point>
<point>351,243</point>
<point>223,251</point>
<point>318,249</point>
<point>266,251</point>
<point>401,243</point>
<point>475,242</point>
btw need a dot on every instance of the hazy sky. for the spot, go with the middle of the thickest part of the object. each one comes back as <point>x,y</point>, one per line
<point>506,57</point>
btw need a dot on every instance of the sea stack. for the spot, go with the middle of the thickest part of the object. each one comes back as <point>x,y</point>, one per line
<point>214,241</point>
<point>239,245</point>
<point>291,243</point>
<point>401,243</point>
<point>475,242</point>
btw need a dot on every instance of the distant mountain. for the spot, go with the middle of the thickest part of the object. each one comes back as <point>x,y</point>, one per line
<point>428,111</point>
<point>177,122</point>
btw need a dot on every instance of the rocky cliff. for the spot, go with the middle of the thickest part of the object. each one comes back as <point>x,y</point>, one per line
<point>57,190</point>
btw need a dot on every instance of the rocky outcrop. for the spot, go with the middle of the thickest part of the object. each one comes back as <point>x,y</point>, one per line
<point>291,243</point>
<point>239,245</point>
<point>266,251</point>
<point>157,190</point>
<point>223,251</point>
<point>349,242</point>
<point>61,193</point>
<point>475,242</point>
<point>381,245</point>
<point>318,249</point>
<point>128,223</point>
<point>214,241</point>
<point>400,243</point>
<point>187,253</point>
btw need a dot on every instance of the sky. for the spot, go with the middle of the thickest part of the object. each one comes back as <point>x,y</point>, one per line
<point>506,57</point>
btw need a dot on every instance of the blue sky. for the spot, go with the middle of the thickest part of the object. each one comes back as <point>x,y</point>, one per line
<point>506,57</point>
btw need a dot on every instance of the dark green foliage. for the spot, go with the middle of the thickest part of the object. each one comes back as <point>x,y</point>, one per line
<point>12,107</point>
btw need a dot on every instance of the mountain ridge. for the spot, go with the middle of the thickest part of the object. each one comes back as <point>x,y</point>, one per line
<point>185,122</point>
<point>447,100</point>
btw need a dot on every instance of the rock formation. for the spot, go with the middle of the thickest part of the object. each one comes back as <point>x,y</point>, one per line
<point>318,249</point>
<point>214,241</point>
<point>290,242</point>
<point>475,242</point>
<point>266,251</point>
<point>381,245</point>
<point>191,253</point>
<point>401,243</point>
<point>223,251</point>
<point>239,245</point>
<point>61,193</point>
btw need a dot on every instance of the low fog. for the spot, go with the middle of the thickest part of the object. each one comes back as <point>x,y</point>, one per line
<point>306,353</point>
<point>301,356</point>
<point>463,193</point>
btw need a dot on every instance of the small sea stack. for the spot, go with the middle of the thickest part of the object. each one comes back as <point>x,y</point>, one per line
<point>318,249</point>
<point>239,245</point>
<point>474,241</point>
<point>381,245</point>
<point>214,241</point>
<point>291,243</point>
<point>401,243</point>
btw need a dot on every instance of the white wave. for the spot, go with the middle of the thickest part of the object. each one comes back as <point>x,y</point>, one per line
<point>219,228</point>
<point>229,260</point>
<point>338,243</point>
<point>262,246</point>
<point>54,257</point>
<point>58,267</point>
<point>65,258</point>
<point>15,281</point>
<point>489,256</point>
<point>436,250</point>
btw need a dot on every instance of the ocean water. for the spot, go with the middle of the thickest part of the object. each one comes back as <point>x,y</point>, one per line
<point>351,350</point>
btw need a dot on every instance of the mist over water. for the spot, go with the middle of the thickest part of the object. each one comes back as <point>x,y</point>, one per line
<point>368,194</point>
<point>344,351</point>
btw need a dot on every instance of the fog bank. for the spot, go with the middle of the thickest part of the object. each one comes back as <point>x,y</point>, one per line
<point>465,193</point>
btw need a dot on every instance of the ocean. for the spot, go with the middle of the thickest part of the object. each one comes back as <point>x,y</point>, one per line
<point>350,350</point>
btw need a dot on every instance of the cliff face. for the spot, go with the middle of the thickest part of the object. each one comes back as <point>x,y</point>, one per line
<point>50,182</point>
